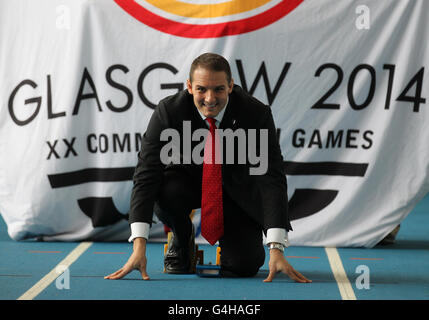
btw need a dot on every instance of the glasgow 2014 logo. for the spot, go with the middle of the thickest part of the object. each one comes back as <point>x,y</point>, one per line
<point>208,18</point>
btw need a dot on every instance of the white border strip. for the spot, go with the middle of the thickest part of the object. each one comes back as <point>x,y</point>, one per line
<point>53,274</point>
<point>340,275</point>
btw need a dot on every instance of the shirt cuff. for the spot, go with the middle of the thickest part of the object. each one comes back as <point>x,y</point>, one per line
<point>278,235</point>
<point>139,230</point>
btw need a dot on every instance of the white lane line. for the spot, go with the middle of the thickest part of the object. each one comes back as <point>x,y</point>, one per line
<point>53,274</point>
<point>340,275</point>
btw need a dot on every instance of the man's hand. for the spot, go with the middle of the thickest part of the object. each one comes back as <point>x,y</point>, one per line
<point>137,261</point>
<point>279,263</point>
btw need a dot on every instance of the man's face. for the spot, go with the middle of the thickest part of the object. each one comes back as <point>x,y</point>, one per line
<point>210,90</point>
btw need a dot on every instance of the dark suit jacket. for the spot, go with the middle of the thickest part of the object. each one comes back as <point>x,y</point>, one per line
<point>263,197</point>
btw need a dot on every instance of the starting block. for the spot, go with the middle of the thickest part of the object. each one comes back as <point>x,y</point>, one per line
<point>207,270</point>
<point>201,269</point>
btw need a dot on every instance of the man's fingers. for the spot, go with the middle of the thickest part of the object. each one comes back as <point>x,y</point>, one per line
<point>118,274</point>
<point>114,274</point>
<point>292,273</point>
<point>124,271</point>
<point>298,277</point>
<point>270,276</point>
<point>302,278</point>
<point>145,276</point>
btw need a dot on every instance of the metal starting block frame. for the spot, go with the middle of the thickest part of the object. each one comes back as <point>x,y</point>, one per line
<point>207,270</point>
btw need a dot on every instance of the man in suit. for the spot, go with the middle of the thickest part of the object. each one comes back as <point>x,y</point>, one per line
<point>247,204</point>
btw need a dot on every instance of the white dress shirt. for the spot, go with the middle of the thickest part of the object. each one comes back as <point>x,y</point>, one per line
<point>141,229</point>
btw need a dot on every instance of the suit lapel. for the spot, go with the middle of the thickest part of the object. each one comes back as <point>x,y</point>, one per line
<point>229,119</point>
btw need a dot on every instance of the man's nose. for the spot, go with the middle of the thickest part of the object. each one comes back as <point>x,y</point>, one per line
<point>210,97</point>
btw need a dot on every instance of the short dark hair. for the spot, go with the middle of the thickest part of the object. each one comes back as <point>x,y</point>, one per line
<point>213,62</point>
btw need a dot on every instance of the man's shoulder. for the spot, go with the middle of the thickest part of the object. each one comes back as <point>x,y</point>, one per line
<point>175,108</point>
<point>175,105</point>
<point>180,98</point>
<point>248,103</point>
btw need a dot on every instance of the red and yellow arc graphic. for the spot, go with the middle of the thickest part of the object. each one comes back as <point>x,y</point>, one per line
<point>258,14</point>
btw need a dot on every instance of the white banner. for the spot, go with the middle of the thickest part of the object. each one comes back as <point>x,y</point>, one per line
<point>346,81</point>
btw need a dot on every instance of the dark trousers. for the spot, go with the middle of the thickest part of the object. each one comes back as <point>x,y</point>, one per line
<point>242,251</point>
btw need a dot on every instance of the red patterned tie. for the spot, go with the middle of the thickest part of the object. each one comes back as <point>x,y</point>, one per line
<point>211,200</point>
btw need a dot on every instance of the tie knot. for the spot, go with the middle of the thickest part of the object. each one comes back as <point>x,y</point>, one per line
<point>212,122</point>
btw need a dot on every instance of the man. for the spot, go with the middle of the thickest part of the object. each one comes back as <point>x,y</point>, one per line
<point>236,205</point>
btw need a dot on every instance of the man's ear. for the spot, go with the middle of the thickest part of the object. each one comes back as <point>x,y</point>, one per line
<point>231,86</point>
<point>189,86</point>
